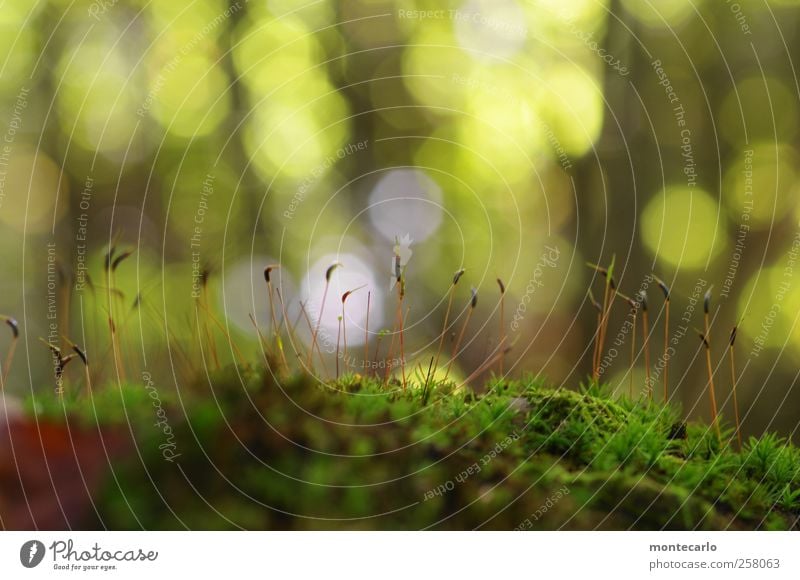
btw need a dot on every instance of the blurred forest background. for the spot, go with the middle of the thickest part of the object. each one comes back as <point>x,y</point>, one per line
<point>518,139</point>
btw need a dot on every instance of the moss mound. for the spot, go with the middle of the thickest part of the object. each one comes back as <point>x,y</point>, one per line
<point>356,454</point>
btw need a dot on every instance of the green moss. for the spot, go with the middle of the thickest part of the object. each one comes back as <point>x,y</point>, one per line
<point>360,455</point>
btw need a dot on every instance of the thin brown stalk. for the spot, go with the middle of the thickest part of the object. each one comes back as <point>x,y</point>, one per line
<point>366,333</point>
<point>390,355</point>
<point>274,329</point>
<point>109,260</point>
<point>268,279</point>
<point>596,347</point>
<point>338,339</point>
<point>665,290</point>
<point>633,351</point>
<point>646,343</point>
<point>426,388</point>
<point>377,351</point>
<point>502,333</point>
<point>344,353</point>
<point>457,345</point>
<point>285,322</point>
<point>343,324</point>
<point>261,340</point>
<point>212,343</point>
<point>607,317</point>
<point>634,306</point>
<point>242,360</point>
<point>608,301</point>
<point>64,291</point>
<point>400,280</point>
<point>734,383</point>
<point>119,331</point>
<point>596,371</point>
<point>328,274</point>
<point>709,366</point>
<point>311,329</point>
<point>456,277</point>
<point>666,351</point>
<point>400,297</point>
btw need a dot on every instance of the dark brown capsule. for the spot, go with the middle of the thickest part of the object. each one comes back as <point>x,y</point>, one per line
<point>663,286</point>
<point>329,271</point>
<point>119,259</point>
<point>14,326</point>
<point>81,354</point>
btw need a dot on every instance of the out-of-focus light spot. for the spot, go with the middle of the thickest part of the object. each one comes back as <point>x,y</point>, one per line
<point>490,29</point>
<point>267,51</point>
<point>759,110</point>
<point>433,69</point>
<point>130,226</point>
<point>192,99</point>
<point>406,201</point>
<point>546,281</point>
<point>353,274</point>
<point>505,128</point>
<point>575,9</point>
<point>572,105</point>
<point>620,376</point>
<point>680,227</point>
<point>662,14</point>
<point>186,188</point>
<point>314,14</point>
<point>370,23</point>
<point>280,138</point>
<point>98,96</point>
<point>17,11</point>
<point>761,185</point>
<point>193,24</point>
<point>18,49</point>
<point>768,307</point>
<point>29,190</point>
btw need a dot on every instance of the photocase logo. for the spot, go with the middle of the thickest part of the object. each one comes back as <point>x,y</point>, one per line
<point>31,553</point>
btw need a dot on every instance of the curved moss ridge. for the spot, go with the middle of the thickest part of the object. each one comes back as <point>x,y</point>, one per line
<point>356,455</point>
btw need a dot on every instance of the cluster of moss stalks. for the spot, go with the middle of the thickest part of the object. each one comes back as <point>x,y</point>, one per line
<point>256,453</point>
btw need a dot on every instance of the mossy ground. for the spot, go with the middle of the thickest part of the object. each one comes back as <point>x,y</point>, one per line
<point>356,454</point>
